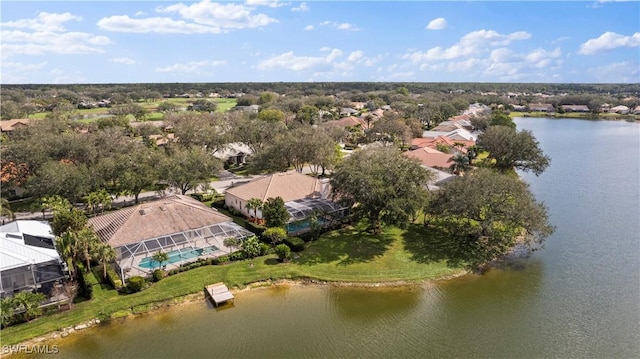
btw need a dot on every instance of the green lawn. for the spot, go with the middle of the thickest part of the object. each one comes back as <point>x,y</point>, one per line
<point>348,255</point>
<point>224,104</point>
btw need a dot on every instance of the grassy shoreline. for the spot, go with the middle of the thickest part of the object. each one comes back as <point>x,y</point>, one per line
<point>346,256</point>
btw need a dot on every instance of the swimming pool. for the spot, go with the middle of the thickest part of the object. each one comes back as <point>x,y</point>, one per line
<point>176,256</point>
<point>303,226</point>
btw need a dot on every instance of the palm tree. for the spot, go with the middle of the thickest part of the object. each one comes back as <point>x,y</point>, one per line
<point>7,309</point>
<point>254,204</point>
<point>86,239</point>
<point>460,164</point>
<point>66,247</point>
<point>29,303</point>
<point>103,253</point>
<point>160,257</point>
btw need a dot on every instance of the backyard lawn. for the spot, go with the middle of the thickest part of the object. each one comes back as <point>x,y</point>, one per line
<point>347,255</point>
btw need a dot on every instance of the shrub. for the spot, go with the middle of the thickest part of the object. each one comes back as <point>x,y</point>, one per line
<point>283,251</point>
<point>221,260</point>
<point>113,278</point>
<point>173,271</point>
<point>254,228</point>
<point>157,275</point>
<point>264,249</point>
<point>136,284</point>
<point>218,204</point>
<point>296,244</point>
<point>274,235</point>
<point>238,256</point>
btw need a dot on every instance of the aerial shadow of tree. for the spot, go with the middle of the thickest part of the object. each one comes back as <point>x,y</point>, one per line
<point>434,244</point>
<point>347,246</point>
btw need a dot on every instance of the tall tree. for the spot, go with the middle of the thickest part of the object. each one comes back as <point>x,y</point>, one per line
<point>103,253</point>
<point>382,185</point>
<point>490,212</point>
<point>511,149</point>
<point>186,169</point>
<point>254,204</point>
<point>275,213</point>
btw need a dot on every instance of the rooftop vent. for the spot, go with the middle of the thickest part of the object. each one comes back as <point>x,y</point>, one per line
<point>142,213</point>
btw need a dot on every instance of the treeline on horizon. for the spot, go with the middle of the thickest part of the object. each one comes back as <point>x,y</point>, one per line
<point>334,88</point>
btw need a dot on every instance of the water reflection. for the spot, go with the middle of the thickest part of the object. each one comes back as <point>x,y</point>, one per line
<point>371,304</point>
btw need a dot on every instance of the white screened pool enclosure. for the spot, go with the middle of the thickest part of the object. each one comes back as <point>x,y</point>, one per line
<point>304,212</point>
<point>180,226</point>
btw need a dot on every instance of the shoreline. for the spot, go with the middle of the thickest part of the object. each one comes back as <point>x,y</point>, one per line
<point>190,298</point>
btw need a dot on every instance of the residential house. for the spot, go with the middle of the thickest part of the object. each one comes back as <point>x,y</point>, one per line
<point>11,125</point>
<point>575,108</point>
<point>431,157</point>
<point>636,111</point>
<point>348,111</point>
<point>234,153</point>
<point>303,196</point>
<point>621,109</point>
<point>348,122</point>
<point>519,108</point>
<point>178,225</point>
<point>250,108</point>
<point>541,107</point>
<point>28,258</point>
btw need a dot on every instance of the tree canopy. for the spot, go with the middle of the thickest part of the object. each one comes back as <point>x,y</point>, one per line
<point>513,149</point>
<point>488,211</point>
<point>384,186</point>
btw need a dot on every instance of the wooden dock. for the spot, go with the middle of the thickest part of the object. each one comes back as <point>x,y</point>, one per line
<point>218,293</point>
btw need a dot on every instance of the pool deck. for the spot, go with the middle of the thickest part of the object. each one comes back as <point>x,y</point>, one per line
<point>218,293</point>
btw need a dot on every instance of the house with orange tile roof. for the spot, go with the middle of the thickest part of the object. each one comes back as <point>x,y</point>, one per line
<point>430,157</point>
<point>303,195</point>
<point>178,225</point>
<point>9,126</point>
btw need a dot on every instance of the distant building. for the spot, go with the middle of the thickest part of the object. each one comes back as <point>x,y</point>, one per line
<point>541,107</point>
<point>575,108</point>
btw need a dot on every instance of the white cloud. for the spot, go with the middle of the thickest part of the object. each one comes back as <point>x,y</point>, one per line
<point>224,16</point>
<point>17,42</point>
<point>308,28</point>
<point>46,34</point>
<point>162,25</point>
<point>189,67</point>
<point>123,60</point>
<point>609,41</point>
<point>290,61</point>
<point>617,72</point>
<point>470,44</point>
<point>44,22</point>
<point>201,17</point>
<point>269,3</point>
<point>56,72</point>
<point>330,65</point>
<point>340,26</point>
<point>140,13</point>
<point>302,7</point>
<point>437,24</point>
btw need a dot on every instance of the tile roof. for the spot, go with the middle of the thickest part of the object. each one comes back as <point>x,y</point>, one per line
<point>430,157</point>
<point>11,125</point>
<point>158,218</point>
<point>288,185</point>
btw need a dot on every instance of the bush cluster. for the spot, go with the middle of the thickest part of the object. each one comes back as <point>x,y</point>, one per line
<point>113,278</point>
<point>295,243</point>
<point>157,275</point>
<point>136,284</point>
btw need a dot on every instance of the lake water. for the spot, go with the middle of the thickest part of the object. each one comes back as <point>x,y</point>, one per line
<point>579,297</point>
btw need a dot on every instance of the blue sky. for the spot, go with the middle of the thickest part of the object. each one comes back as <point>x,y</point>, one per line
<point>266,40</point>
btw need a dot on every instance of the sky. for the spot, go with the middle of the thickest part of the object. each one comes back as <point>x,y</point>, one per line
<point>61,42</point>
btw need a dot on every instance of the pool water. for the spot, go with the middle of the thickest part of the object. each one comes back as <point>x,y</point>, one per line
<point>302,225</point>
<point>176,256</point>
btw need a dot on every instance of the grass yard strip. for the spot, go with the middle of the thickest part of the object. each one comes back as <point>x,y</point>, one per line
<point>347,255</point>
